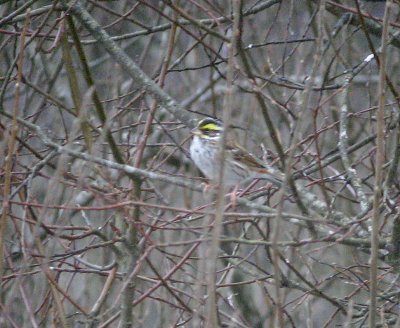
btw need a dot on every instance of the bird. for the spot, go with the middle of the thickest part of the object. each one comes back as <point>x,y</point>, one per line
<point>239,164</point>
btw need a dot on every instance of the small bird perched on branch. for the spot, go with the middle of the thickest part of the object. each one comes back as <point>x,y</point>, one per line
<point>239,164</point>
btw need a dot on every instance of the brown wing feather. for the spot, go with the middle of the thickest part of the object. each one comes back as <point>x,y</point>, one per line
<point>238,152</point>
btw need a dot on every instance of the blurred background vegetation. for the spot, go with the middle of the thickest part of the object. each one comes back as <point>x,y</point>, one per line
<point>105,221</point>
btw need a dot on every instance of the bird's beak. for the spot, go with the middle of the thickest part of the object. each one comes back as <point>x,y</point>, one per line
<point>195,132</point>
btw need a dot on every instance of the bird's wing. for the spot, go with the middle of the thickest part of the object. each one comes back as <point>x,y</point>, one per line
<point>241,155</point>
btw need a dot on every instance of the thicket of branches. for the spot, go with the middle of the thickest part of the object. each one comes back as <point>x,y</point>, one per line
<point>105,221</point>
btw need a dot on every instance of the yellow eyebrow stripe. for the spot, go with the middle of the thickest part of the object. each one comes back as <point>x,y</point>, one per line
<point>211,126</point>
